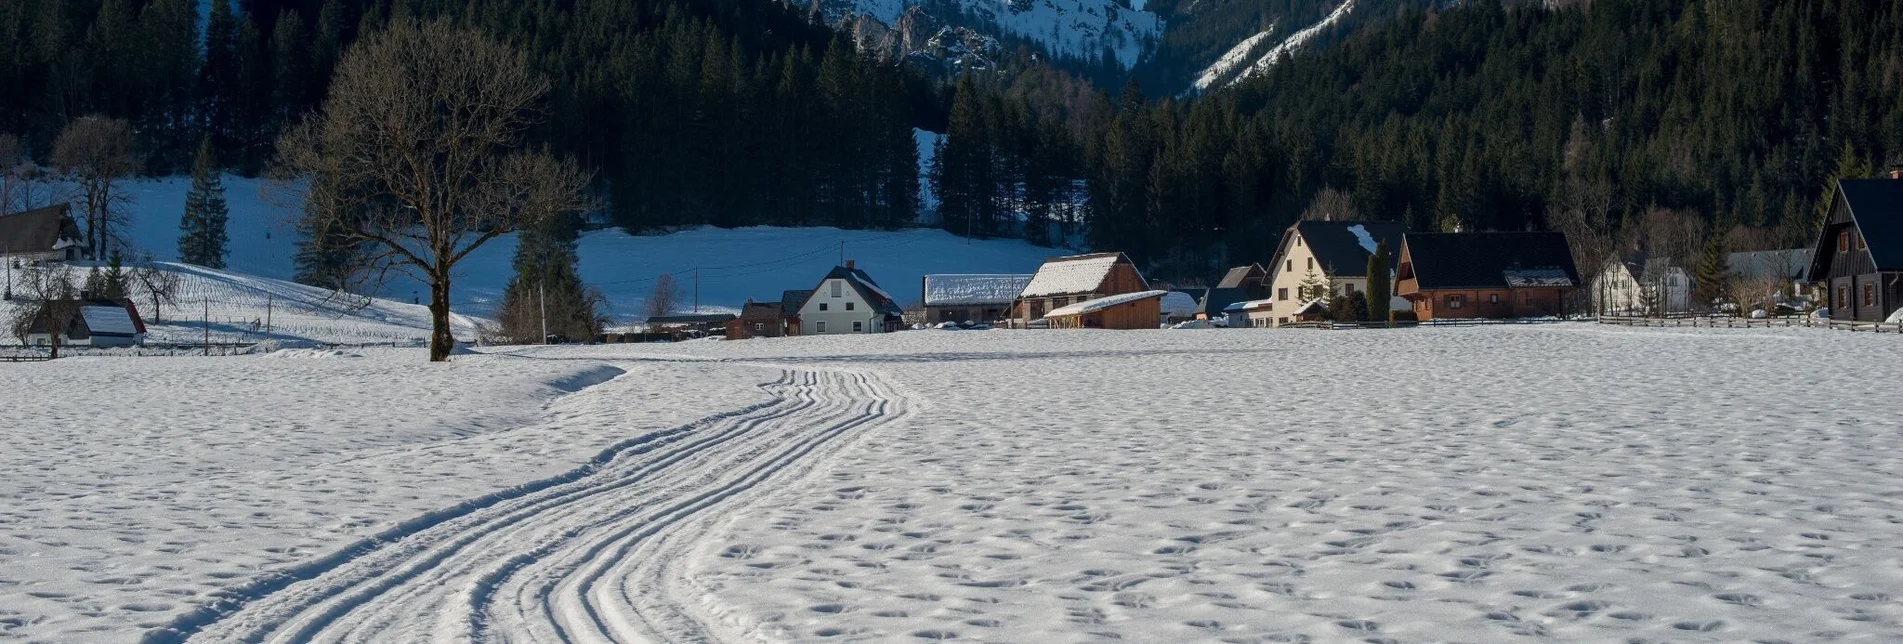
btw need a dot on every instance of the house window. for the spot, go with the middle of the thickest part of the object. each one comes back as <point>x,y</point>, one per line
<point>1493,298</point>
<point>837,287</point>
<point>1281,320</point>
<point>858,327</point>
<point>1289,265</point>
<point>1059,302</point>
<point>1869,294</point>
<point>1843,241</point>
<point>1347,289</point>
<point>1527,299</point>
<point>1456,301</point>
<point>849,306</point>
<point>758,327</point>
<point>1843,296</point>
<point>822,326</point>
<point>1298,241</point>
<point>1860,243</point>
<point>822,306</point>
<point>1311,263</point>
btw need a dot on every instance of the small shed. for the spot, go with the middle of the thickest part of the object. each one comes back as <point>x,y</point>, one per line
<point>1139,310</point>
<point>757,320</point>
<point>1063,281</point>
<point>95,323</point>
<point>1313,311</point>
<point>1259,314</point>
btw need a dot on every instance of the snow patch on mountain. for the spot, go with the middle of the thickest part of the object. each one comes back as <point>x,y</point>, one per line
<point>1235,57</point>
<point>1298,40</point>
<point>1076,29</point>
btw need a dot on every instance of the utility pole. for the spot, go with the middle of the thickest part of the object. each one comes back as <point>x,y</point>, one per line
<point>542,294</point>
<point>269,298</point>
<point>207,326</point>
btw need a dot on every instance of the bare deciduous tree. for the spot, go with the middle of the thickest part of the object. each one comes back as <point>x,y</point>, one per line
<point>96,152</point>
<point>1331,205</point>
<point>49,298</point>
<point>1759,292</point>
<point>155,283</point>
<point>418,153</point>
<point>665,298</point>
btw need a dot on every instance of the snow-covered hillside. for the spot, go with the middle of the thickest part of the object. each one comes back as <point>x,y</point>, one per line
<point>1076,29</point>
<point>1224,69</point>
<point>733,264</point>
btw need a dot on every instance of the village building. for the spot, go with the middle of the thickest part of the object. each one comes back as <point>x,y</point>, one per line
<point>690,325</point>
<point>848,301</point>
<point>1214,303</point>
<point>1253,280</point>
<point>1179,306</point>
<point>1327,252</point>
<point>1064,281</point>
<point>1858,257</point>
<point>42,235</point>
<point>1486,275</point>
<point>757,320</point>
<point>1632,284</point>
<point>1251,314</point>
<point>970,298</point>
<point>790,303</point>
<point>1139,310</point>
<point>1788,268</point>
<point>94,323</point>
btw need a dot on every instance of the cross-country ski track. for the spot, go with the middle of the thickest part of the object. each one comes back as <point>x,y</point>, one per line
<point>588,556</point>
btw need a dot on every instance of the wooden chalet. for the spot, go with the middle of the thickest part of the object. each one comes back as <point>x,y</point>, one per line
<point>1064,281</point>
<point>790,303</point>
<point>1139,310</point>
<point>42,235</point>
<point>970,298</point>
<point>1486,275</point>
<point>1858,257</point>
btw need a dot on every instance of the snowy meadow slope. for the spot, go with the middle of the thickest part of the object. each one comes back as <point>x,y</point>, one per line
<point>734,264</point>
<point>1566,481</point>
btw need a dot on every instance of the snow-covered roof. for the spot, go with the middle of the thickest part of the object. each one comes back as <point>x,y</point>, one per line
<point>1074,274</point>
<point>1313,306</point>
<point>108,320</point>
<point>1250,304</point>
<point>1102,303</point>
<point>1535,277</point>
<point>1179,304</point>
<point>1362,237</point>
<point>967,290</point>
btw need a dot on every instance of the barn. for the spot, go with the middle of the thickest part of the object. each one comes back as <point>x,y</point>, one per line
<point>1140,310</point>
<point>1064,281</point>
<point>971,298</point>
<point>1486,275</point>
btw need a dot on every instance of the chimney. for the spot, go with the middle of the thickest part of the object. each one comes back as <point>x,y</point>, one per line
<point>849,264</point>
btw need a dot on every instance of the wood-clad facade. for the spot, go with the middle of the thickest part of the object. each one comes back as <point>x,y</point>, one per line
<point>1858,257</point>
<point>1485,275</point>
<point>1094,276</point>
<point>1141,314</point>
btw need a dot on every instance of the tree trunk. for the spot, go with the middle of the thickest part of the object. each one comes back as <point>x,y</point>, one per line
<point>441,341</point>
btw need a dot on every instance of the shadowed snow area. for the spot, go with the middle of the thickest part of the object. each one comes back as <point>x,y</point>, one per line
<point>1566,481</point>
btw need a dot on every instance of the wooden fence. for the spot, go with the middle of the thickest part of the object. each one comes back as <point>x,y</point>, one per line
<point>1754,323</point>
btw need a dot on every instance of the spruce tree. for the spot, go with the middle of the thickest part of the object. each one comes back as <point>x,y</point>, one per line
<point>1710,272</point>
<point>1378,285</point>
<point>547,286</point>
<point>201,232</point>
<point>113,283</point>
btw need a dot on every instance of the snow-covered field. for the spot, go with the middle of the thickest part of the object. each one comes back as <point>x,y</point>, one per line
<point>733,265</point>
<point>1566,481</point>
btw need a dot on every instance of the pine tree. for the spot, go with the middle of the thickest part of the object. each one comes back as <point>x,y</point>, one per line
<point>1709,276</point>
<point>547,287</point>
<point>201,232</point>
<point>218,97</point>
<point>1378,285</point>
<point>113,283</point>
<point>1314,287</point>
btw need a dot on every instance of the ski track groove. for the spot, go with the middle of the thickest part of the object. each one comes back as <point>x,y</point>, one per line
<point>586,556</point>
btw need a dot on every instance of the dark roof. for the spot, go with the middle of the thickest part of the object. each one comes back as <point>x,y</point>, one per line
<point>705,318</point>
<point>1242,276</point>
<point>37,231</point>
<point>791,301</point>
<point>1339,250</point>
<point>868,289</point>
<point>1489,260</point>
<point>1876,205</point>
<point>760,310</point>
<point>1215,300</point>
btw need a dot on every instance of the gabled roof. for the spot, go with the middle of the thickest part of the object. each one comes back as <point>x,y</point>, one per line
<point>970,290</point>
<point>1876,206</point>
<point>37,231</point>
<point>1243,276</point>
<point>791,301</point>
<point>1217,300</point>
<point>1179,304</point>
<point>760,310</point>
<point>1490,260</point>
<point>1102,303</point>
<point>1341,248</point>
<point>868,290</point>
<point>701,318</point>
<point>108,320</point>
<point>1786,264</point>
<point>1073,274</point>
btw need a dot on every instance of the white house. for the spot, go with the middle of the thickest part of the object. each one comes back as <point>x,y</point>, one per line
<point>1336,252</point>
<point>848,301</point>
<point>1632,285</point>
